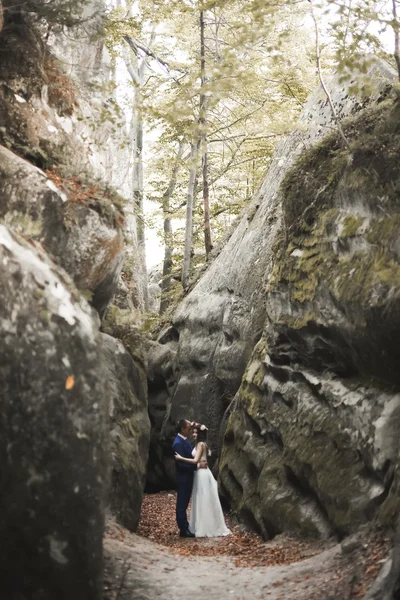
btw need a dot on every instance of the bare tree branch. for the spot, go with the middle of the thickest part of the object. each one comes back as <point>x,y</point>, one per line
<point>239,119</point>
<point>248,137</point>
<point>136,46</point>
<point>321,78</point>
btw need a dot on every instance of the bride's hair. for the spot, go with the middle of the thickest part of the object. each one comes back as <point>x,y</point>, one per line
<point>202,437</point>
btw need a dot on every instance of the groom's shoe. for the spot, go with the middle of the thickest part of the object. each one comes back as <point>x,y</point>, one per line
<point>186,534</point>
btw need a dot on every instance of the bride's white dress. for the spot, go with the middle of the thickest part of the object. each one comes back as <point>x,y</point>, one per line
<point>206,516</point>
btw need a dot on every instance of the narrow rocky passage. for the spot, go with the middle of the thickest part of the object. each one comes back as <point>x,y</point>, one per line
<point>158,564</point>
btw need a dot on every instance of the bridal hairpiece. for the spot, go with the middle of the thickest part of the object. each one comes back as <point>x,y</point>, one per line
<point>200,426</point>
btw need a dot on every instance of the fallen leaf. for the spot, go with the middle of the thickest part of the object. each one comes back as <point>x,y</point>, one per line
<point>69,382</point>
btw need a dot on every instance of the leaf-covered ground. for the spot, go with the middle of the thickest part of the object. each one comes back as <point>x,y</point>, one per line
<point>158,524</point>
<point>158,564</point>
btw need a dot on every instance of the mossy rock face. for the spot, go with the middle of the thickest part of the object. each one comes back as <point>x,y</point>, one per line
<point>53,431</point>
<point>312,443</point>
<point>46,121</point>
<point>217,325</point>
<point>130,429</point>
<point>339,264</point>
<point>307,452</point>
<point>127,367</point>
<point>80,237</point>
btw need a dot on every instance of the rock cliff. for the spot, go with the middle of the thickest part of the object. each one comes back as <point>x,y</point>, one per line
<point>83,234</point>
<point>301,303</point>
<point>130,427</point>
<point>54,466</point>
<point>316,418</point>
<point>74,398</point>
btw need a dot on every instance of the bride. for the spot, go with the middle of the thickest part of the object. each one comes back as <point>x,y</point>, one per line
<point>206,516</point>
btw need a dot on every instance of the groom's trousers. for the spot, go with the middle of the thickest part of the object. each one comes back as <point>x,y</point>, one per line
<point>184,489</point>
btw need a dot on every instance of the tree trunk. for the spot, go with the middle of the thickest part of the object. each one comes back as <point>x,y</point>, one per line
<point>137,171</point>
<point>1,16</point>
<point>321,77</point>
<point>168,236</point>
<point>137,71</point>
<point>98,57</point>
<point>206,205</point>
<point>203,140</point>
<point>189,215</point>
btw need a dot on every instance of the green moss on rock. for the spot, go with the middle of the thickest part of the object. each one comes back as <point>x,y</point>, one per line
<point>355,278</point>
<point>303,446</point>
<point>351,225</point>
<point>318,195</point>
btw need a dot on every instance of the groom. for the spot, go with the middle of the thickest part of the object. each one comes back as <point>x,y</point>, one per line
<point>184,476</point>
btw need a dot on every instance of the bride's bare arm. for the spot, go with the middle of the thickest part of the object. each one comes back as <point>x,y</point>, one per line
<point>195,460</point>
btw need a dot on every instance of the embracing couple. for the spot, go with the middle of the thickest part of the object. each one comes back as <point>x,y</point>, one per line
<point>194,479</point>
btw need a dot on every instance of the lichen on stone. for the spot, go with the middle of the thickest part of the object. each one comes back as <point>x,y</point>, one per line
<point>327,198</point>
<point>301,450</point>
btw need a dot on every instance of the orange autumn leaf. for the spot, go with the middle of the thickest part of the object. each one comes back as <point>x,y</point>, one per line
<point>69,382</point>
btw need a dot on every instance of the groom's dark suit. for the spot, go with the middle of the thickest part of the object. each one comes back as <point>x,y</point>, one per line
<point>184,481</point>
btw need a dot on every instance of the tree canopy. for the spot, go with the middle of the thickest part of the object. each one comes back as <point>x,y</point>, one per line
<point>214,85</point>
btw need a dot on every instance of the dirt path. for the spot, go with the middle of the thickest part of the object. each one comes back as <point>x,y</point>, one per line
<point>242,568</point>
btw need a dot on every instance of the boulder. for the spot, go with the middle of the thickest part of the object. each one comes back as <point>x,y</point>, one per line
<point>161,382</point>
<point>387,585</point>
<point>217,326</point>
<point>312,444</point>
<point>53,431</point>
<point>130,429</point>
<point>210,340</point>
<point>81,233</point>
<point>64,121</point>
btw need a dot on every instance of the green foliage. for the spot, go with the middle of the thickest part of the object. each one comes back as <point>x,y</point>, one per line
<point>117,25</point>
<point>358,32</point>
<point>260,68</point>
<point>254,94</point>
